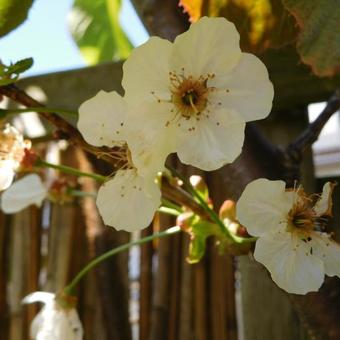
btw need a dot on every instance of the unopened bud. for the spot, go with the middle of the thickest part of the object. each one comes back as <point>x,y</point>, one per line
<point>184,220</point>
<point>228,210</point>
<point>29,159</point>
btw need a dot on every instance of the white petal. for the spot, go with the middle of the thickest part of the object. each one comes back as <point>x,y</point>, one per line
<point>290,262</point>
<point>55,323</point>
<point>44,297</point>
<point>263,206</point>
<point>128,201</point>
<point>22,193</point>
<point>214,142</point>
<point>148,153</point>
<point>211,45</point>
<point>250,92</point>
<point>6,175</point>
<point>150,139</point>
<point>328,251</point>
<point>147,70</point>
<point>324,205</point>
<point>102,118</point>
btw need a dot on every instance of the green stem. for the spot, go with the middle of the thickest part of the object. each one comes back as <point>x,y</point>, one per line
<point>79,193</point>
<point>211,212</point>
<point>169,211</point>
<point>37,109</point>
<point>171,205</point>
<point>69,170</point>
<point>71,287</point>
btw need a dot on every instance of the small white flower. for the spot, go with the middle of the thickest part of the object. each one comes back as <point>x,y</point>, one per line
<point>104,120</point>
<point>7,174</point>
<point>54,321</point>
<point>12,147</point>
<point>129,200</point>
<point>292,243</point>
<point>194,96</point>
<point>23,193</point>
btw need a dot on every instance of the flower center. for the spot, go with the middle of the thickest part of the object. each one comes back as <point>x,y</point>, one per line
<point>302,218</point>
<point>190,98</point>
<point>189,95</point>
<point>12,144</point>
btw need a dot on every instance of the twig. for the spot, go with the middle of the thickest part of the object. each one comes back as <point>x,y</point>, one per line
<point>68,130</point>
<point>295,149</point>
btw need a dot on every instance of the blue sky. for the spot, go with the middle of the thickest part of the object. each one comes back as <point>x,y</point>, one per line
<point>45,37</point>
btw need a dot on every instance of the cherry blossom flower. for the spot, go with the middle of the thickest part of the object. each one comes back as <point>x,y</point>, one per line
<point>23,193</point>
<point>290,225</point>
<point>194,96</point>
<point>56,320</point>
<point>12,147</point>
<point>129,200</point>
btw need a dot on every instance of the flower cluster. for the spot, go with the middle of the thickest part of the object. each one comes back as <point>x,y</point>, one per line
<point>192,97</point>
<point>290,225</point>
<point>12,146</point>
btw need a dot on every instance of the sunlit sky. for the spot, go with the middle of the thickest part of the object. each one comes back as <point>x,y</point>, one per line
<point>45,37</point>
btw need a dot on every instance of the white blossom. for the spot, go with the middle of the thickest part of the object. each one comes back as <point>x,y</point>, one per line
<point>23,193</point>
<point>7,174</point>
<point>54,321</point>
<point>290,225</point>
<point>12,147</point>
<point>194,96</point>
<point>129,200</point>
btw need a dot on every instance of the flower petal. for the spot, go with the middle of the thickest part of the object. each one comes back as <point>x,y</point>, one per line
<point>211,142</point>
<point>55,323</point>
<point>146,71</point>
<point>211,45</point>
<point>101,119</point>
<point>128,201</point>
<point>23,193</point>
<point>151,139</point>
<point>249,90</point>
<point>6,175</point>
<point>328,251</point>
<point>44,297</point>
<point>263,206</point>
<point>292,266</point>
<point>148,153</point>
<point>324,205</point>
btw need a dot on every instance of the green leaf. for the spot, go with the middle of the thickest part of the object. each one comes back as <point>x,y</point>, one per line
<point>12,14</point>
<point>95,28</point>
<point>199,232</point>
<point>10,74</point>
<point>196,249</point>
<point>319,39</point>
<point>7,81</point>
<point>20,66</point>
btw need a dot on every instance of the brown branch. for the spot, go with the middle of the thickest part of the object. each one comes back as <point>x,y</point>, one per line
<point>295,149</point>
<point>68,131</point>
